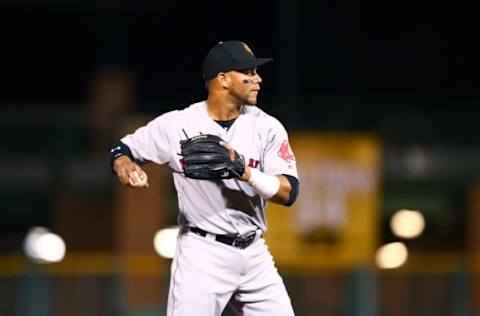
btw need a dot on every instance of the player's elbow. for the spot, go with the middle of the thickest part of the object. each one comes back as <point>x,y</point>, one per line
<point>288,191</point>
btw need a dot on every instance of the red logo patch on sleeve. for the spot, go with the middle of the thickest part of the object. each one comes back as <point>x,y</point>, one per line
<point>285,153</point>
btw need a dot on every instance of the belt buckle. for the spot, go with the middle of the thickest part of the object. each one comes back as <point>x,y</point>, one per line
<point>245,240</point>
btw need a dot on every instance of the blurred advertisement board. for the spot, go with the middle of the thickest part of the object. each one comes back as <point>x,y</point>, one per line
<point>335,220</point>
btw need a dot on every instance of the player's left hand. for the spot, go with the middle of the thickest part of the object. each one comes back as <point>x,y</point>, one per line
<point>204,158</point>
<point>231,151</point>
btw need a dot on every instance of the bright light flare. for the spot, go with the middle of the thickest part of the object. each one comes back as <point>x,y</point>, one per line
<point>391,255</point>
<point>43,246</point>
<point>407,224</point>
<point>165,242</point>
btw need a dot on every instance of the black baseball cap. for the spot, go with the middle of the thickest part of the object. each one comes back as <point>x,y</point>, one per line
<point>230,55</point>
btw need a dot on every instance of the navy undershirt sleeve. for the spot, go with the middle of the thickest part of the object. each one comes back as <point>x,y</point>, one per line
<point>117,150</point>
<point>294,193</point>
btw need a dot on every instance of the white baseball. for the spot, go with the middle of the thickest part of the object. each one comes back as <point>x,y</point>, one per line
<point>138,180</point>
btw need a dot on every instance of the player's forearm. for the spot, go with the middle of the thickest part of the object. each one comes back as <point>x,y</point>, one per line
<point>283,194</point>
<point>276,189</point>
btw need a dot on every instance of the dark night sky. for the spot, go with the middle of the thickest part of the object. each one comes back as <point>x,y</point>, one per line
<point>361,50</point>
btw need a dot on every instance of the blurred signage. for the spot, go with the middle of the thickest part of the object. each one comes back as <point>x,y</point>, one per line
<point>432,161</point>
<point>334,222</point>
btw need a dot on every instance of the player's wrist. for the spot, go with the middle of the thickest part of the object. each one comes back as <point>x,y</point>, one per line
<point>265,185</point>
<point>246,175</point>
<point>120,161</point>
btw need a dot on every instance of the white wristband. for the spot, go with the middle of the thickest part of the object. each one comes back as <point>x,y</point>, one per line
<point>265,185</point>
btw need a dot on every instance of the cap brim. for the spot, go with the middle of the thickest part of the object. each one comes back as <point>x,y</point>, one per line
<point>254,63</point>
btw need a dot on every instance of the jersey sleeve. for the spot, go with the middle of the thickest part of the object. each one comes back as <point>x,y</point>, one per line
<point>150,142</point>
<point>278,155</point>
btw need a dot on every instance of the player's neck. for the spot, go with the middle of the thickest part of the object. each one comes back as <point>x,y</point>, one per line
<point>220,110</point>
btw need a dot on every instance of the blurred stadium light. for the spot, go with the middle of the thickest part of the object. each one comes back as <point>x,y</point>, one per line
<point>165,241</point>
<point>392,255</point>
<point>407,223</point>
<point>43,246</point>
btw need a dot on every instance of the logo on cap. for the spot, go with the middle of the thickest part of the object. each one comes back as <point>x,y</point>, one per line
<point>245,46</point>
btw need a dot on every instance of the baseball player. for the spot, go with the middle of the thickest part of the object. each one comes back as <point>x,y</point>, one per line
<point>221,257</point>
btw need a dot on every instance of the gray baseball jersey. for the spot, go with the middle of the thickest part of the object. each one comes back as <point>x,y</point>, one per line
<point>217,206</point>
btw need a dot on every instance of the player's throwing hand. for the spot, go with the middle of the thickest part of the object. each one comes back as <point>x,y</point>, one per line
<point>130,173</point>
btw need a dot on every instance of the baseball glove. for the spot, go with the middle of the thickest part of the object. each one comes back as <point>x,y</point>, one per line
<point>205,158</point>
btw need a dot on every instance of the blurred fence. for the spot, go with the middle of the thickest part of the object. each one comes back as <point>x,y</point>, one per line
<point>98,290</point>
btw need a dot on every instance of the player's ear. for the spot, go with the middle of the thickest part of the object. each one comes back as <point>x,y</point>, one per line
<point>224,79</point>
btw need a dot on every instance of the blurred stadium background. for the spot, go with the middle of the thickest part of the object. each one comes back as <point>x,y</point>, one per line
<point>381,101</point>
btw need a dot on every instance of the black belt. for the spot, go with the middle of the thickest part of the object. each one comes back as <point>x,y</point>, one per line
<point>241,241</point>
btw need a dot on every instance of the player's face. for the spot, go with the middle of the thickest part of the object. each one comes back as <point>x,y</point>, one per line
<point>246,85</point>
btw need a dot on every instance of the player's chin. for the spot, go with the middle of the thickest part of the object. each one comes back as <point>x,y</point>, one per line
<point>251,101</point>
<point>251,97</point>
